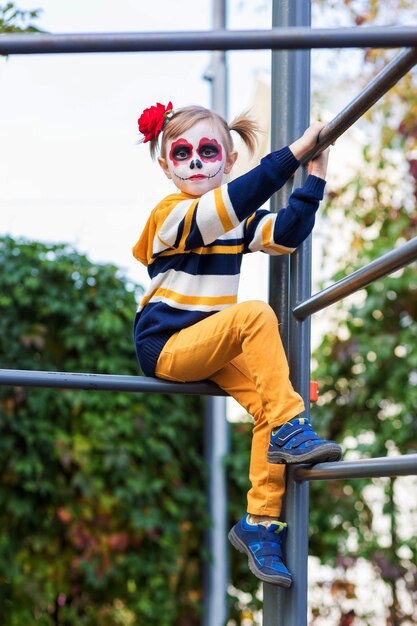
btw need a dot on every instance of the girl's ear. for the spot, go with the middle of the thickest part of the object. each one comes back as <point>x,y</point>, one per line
<point>230,161</point>
<point>163,163</point>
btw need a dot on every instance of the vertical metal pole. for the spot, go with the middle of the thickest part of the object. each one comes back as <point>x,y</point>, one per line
<point>216,572</point>
<point>289,282</point>
<point>295,607</point>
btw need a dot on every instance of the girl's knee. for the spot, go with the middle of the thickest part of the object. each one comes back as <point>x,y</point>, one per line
<point>260,308</point>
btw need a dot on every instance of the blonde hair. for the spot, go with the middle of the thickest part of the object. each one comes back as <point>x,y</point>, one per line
<point>183,119</point>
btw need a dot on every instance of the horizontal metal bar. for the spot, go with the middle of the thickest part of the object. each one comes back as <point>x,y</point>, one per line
<point>383,82</point>
<point>390,262</point>
<point>295,38</point>
<point>104,382</point>
<point>405,465</point>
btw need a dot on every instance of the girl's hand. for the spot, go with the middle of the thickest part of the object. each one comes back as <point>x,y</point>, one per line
<point>304,144</point>
<point>319,164</point>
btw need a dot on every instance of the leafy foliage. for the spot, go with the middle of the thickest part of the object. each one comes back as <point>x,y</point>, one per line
<point>102,494</point>
<point>368,363</point>
<point>14,20</point>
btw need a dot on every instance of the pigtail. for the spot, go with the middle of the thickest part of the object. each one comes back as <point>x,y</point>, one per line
<point>248,130</point>
<point>154,147</point>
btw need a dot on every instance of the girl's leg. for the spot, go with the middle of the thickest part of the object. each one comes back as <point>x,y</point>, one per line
<point>251,329</point>
<point>267,480</point>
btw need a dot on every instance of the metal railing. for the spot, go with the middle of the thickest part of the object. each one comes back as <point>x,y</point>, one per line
<point>296,38</point>
<point>287,607</point>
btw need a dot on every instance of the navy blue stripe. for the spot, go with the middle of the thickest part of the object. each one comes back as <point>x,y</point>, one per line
<point>194,238</point>
<point>193,263</point>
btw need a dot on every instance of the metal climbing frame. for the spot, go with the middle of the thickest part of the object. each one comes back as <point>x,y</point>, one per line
<point>291,39</point>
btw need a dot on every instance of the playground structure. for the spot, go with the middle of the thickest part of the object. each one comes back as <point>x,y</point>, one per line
<point>291,39</point>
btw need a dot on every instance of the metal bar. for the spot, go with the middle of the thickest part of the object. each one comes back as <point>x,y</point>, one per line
<point>383,82</point>
<point>289,278</point>
<point>297,494</point>
<point>389,262</point>
<point>405,465</point>
<point>104,382</point>
<point>216,426</point>
<point>216,571</point>
<point>298,38</point>
<point>282,134</point>
<point>296,550</point>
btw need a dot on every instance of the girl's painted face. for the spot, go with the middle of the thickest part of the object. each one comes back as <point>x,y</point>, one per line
<point>196,161</point>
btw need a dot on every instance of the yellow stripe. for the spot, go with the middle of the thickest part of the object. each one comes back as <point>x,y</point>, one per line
<point>267,232</point>
<point>280,249</point>
<point>236,249</point>
<point>250,218</point>
<point>267,241</point>
<point>182,299</point>
<point>222,211</point>
<point>222,249</point>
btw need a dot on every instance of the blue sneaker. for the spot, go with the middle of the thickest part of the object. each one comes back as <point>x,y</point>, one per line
<point>263,546</point>
<point>296,442</point>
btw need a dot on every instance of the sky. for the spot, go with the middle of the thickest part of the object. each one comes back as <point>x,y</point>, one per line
<point>71,169</point>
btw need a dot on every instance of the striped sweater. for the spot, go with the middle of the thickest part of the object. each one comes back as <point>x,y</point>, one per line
<point>193,247</point>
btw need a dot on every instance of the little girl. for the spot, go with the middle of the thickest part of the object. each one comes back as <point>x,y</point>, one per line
<point>189,326</point>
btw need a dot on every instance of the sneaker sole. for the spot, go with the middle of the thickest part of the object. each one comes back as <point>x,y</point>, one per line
<point>237,543</point>
<point>323,454</point>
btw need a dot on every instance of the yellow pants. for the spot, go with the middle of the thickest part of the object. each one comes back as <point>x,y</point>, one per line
<point>240,349</point>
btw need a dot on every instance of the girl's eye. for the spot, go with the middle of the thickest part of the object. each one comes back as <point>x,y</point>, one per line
<point>208,151</point>
<point>181,153</point>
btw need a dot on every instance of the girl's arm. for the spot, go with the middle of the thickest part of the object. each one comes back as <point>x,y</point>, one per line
<point>282,232</point>
<point>257,186</point>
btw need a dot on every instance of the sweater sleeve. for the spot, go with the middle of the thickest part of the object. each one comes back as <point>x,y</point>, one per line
<point>282,232</point>
<point>197,222</point>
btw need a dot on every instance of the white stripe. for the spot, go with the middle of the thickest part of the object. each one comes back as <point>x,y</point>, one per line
<point>202,285</point>
<point>236,233</point>
<point>208,220</point>
<point>169,231</point>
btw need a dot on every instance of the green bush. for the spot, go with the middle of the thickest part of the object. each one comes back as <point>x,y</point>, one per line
<point>102,494</point>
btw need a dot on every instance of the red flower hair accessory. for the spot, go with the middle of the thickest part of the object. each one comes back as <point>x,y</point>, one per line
<point>153,120</point>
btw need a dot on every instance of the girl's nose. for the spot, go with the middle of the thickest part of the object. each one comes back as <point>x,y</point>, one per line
<point>197,163</point>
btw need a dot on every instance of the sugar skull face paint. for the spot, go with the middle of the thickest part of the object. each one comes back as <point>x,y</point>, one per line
<point>196,160</point>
